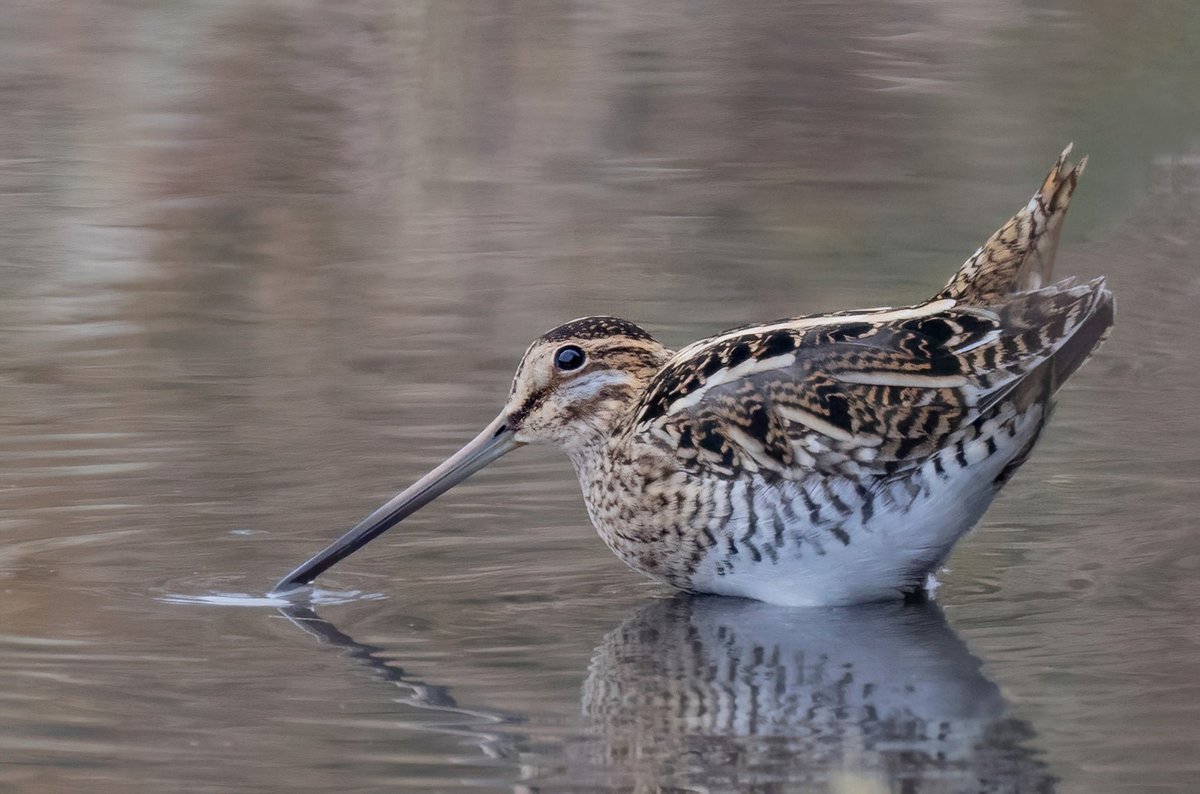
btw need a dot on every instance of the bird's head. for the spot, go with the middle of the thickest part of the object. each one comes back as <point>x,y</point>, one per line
<point>576,382</point>
<point>573,387</point>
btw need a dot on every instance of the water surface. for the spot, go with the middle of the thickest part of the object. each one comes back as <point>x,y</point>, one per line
<point>265,263</point>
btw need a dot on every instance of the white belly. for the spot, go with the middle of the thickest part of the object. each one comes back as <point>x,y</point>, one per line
<point>855,557</point>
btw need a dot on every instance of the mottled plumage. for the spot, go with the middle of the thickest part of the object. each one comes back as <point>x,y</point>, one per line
<point>821,459</point>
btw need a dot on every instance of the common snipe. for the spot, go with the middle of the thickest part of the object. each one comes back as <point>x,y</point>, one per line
<point>826,459</point>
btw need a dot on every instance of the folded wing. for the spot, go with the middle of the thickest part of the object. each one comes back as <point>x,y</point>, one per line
<point>878,390</point>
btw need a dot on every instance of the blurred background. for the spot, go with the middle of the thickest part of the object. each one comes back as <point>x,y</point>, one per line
<point>264,263</point>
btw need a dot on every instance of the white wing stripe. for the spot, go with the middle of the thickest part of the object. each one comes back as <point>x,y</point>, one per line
<point>750,367</point>
<point>810,420</point>
<point>890,378</point>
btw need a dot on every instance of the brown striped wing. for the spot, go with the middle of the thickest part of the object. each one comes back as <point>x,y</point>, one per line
<point>876,391</point>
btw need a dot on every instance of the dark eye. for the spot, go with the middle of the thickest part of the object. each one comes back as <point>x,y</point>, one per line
<point>569,357</point>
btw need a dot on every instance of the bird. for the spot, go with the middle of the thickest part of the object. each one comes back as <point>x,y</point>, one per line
<point>817,460</point>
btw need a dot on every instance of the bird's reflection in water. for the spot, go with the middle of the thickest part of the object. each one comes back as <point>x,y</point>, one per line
<point>473,724</point>
<point>722,694</point>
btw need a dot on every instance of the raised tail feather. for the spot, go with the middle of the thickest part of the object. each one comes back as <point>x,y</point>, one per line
<point>1020,255</point>
<point>1011,275</point>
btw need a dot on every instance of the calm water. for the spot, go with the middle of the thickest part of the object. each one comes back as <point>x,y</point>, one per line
<point>265,263</point>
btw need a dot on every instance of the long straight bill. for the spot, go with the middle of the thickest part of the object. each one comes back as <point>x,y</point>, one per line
<point>495,441</point>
